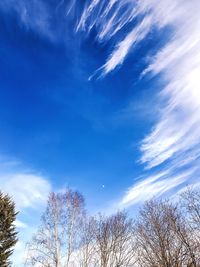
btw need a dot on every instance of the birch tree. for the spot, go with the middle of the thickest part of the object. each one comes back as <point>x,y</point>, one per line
<point>57,236</point>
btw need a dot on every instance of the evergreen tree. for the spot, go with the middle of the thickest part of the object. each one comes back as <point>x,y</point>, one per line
<point>8,234</point>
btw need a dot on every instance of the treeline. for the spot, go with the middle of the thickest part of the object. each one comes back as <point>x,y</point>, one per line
<point>165,234</point>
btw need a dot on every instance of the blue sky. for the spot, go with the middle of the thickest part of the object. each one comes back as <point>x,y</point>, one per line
<point>101,96</point>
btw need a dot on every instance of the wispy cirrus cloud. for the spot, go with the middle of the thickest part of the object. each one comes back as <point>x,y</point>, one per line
<point>119,54</point>
<point>112,18</point>
<point>34,16</point>
<point>42,16</point>
<point>174,140</point>
<point>153,186</point>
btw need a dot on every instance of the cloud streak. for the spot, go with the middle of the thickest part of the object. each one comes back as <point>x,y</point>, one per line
<point>153,186</point>
<point>174,140</point>
<point>123,48</point>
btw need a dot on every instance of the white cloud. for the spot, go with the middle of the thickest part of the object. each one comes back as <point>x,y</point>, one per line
<point>28,190</point>
<point>20,224</point>
<point>113,16</point>
<point>175,137</point>
<point>123,47</point>
<point>41,16</point>
<point>153,186</point>
<point>33,15</point>
<point>86,13</point>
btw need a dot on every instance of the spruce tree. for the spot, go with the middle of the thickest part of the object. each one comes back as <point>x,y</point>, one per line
<point>8,234</point>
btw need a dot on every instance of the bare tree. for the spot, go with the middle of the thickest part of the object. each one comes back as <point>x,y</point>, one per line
<point>190,199</point>
<point>87,254</point>
<point>103,240</point>
<point>57,236</point>
<point>158,244</point>
<point>114,240</point>
<point>189,230</point>
<point>123,240</point>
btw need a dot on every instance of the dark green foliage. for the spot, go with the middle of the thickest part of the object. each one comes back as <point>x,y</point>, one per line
<point>8,234</point>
